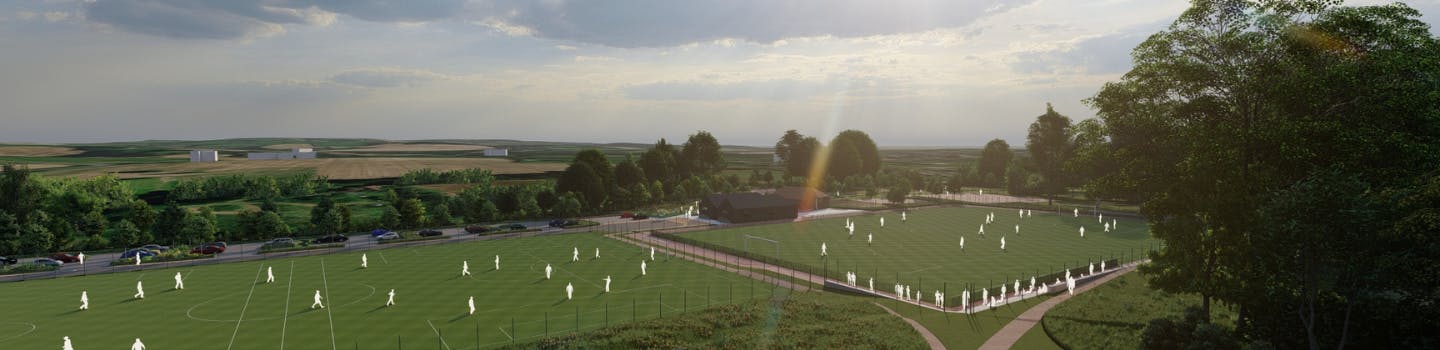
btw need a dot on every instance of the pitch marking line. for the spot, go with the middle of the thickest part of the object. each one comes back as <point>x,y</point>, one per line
<point>437,334</point>
<point>382,257</point>
<point>328,314</point>
<point>507,335</point>
<point>33,327</point>
<point>285,319</point>
<point>241,319</point>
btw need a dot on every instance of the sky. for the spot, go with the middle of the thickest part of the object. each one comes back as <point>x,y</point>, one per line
<point>908,72</point>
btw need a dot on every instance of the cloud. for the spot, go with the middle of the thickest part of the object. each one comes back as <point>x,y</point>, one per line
<point>771,90</point>
<point>237,19</point>
<point>663,23</point>
<point>1104,54</point>
<point>385,78</point>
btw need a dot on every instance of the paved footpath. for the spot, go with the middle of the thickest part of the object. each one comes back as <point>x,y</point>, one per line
<point>1007,336</point>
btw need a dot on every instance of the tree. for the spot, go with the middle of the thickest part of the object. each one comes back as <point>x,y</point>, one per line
<point>269,204</point>
<point>845,160</point>
<point>440,215</point>
<point>994,160</point>
<point>262,224</point>
<point>1050,147</point>
<point>582,180</point>
<point>864,146</point>
<point>628,174</point>
<point>325,219</point>
<point>20,195</point>
<point>170,223</point>
<point>412,213</point>
<point>660,162</point>
<point>787,143</point>
<point>125,234</point>
<point>599,164</point>
<point>802,156</point>
<point>568,207</point>
<point>899,192</point>
<point>143,215</point>
<point>390,218</point>
<point>196,228</point>
<point>1093,158</point>
<point>346,219</point>
<point>1271,140</point>
<point>700,155</point>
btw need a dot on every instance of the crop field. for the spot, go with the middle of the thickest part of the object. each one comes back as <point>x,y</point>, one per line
<point>229,306</point>
<point>925,252</point>
<point>416,147</point>
<point>36,151</point>
<point>334,168</point>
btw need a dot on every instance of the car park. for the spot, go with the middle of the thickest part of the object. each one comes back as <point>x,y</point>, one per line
<point>379,231</point>
<point>387,236</point>
<point>627,215</point>
<point>515,227</point>
<point>8,261</point>
<point>641,217</point>
<point>430,233</point>
<point>280,242</point>
<point>156,247</point>
<point>478,229</point>
<point>208,249</point>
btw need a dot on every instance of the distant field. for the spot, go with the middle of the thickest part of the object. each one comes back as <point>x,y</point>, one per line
<point>415,147</point>
<point>334,168</point>
<point>36,151</point>
<point>286,146</point>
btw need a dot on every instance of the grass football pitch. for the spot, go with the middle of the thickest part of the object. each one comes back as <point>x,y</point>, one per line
<point>229,306</point>
<point>924,251</point>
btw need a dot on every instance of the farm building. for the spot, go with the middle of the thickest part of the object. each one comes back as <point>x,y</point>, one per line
<point>204,155</point>
<point>295,153</point>
<point>497,152</point>
<point>805,198</point>
<point>747,207</point>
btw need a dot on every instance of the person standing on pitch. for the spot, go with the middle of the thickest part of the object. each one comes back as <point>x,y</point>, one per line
<point>66,345</point>
<point>882,221</point>
<point>902,216</point>
<point>872,284</point>
<point>137,259</point>
<point>597,252</point>
<point>138,345</point>
<point>84,300</point>
<point>822,249</point>
<point>870,238</point>
<point>317,302</point>
<point>497,262</point>
<point>642,267</point>
<point>465,268</point>
<point>607,283</point>
<point>139,290</point>
<point>962,242</point>
<point>547,271</point>
<point>81,256</point>
<point>364,261</point>
<point>569,291</point>
<point>270,274</point>
<point>472,305</point>
<point>575,255</point>
<point>179,281</point>
<point>391,301</point>
<point>1002,243</point>
<point>652,253</point>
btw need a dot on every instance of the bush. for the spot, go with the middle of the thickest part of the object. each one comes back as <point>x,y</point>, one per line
<point>1190,332</point>
<point>26,268</point>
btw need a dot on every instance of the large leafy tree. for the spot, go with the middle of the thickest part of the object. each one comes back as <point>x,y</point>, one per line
<point>627,173</point>
<point>993,161</point>
<point>1282,149</point>
<point>660,162</point>
<point>579,178</point>
<point>1050,147</point>
<point>864,146</point>
<point>701,155</point>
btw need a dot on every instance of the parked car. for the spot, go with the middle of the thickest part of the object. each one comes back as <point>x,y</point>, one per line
<point>379,231</point>
<point>627,215</point>
<point>515,227</point>
<point>208,249</point>
<point>430,233</point>
<point>65,257</point>
<point>641,217</point>
<point>142,252</point>
<point>387,236</point>
<point>279,242</point>
<point>8,261</point>
<point>335,238</point>
<point>49,262</point>
<point>477,229</point>
<point>562,223</point>
<point>156,247</point>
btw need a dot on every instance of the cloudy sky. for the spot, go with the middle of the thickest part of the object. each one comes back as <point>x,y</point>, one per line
<point>909,72</point>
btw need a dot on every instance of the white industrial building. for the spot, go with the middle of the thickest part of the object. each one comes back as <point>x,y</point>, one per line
<point>204,155</point>
<point>497,152</point>
<point>295,153</point>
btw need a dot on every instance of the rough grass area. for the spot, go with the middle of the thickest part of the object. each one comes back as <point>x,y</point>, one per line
<point>804,321</point>
<point>1114,315</point>
<point>333,168</point>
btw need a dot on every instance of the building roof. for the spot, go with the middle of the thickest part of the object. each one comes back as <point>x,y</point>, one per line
<point>751,200</point>
<point>797,193</point>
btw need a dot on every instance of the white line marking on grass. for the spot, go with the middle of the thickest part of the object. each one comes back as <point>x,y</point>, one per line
<point>925,269</point>
<point>562,269</point>
<point>285,319</point>
<point>437,334</point>
<point>328,315</point>
<point>33,327</point>
<point>507,335</point>
<point>382,257</point>
<point>241,319</point>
